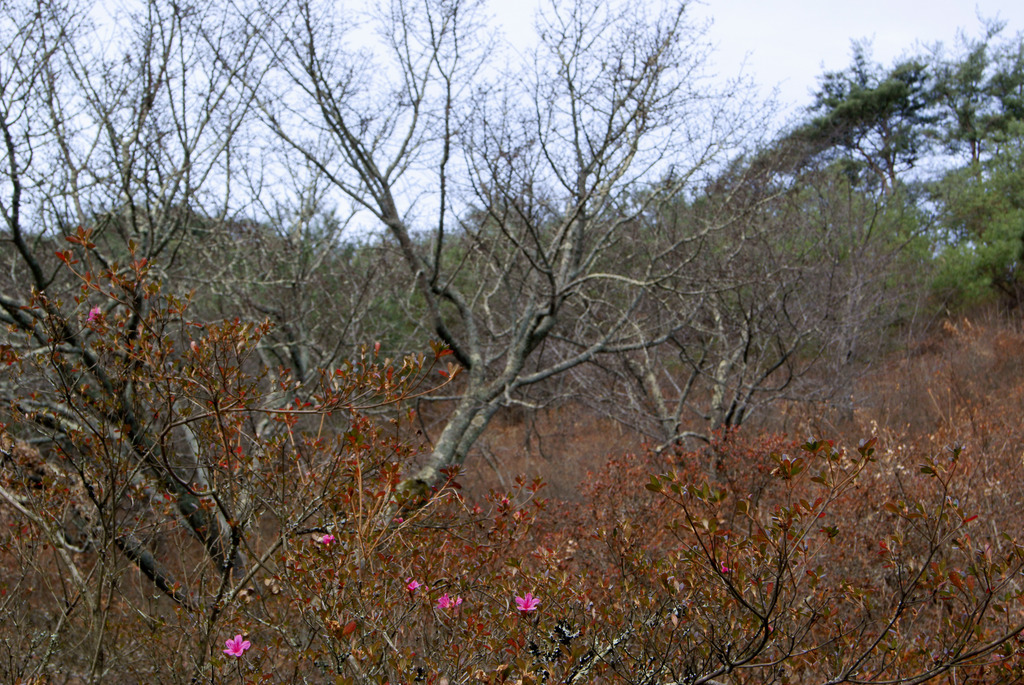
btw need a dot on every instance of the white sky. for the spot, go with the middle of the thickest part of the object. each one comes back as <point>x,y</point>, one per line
<point>789,43</point>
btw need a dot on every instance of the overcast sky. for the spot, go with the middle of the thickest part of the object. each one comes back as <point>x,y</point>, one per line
<point>789,43</point>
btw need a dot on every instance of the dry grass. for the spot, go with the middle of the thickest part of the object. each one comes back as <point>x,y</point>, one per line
<point>961,383</point>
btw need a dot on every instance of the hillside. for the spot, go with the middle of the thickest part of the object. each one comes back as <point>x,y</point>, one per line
<point>960,383</point>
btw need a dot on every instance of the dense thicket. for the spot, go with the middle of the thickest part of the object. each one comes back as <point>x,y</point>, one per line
<point>231,228</point>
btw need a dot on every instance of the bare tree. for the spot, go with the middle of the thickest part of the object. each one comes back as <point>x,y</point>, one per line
<point>117,150</point>
<point>510,194</point>
<point>150,441</point>
<point>792,287</point>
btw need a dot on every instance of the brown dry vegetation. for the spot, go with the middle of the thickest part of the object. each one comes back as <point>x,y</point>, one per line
<point>962,382</point>
<point>608,555</point>
<point>224,420</point>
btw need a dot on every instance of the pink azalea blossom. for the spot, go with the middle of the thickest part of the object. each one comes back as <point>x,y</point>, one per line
<point>411,584</point>
<point>94,314</point>
<point>446,602</point>
<point>236,646</point>
<point>527,602</point>
<point>326,540</point>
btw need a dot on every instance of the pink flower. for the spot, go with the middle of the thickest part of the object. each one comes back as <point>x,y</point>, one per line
<point>236,646</point>
<point>326,540</point>
<point>446,602</point>
<point>527,602</point>
<point>411,585</point>
<point>724,568</point>
<point>94,314</point>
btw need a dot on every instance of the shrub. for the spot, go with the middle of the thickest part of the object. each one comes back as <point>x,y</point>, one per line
<point>175,512</point>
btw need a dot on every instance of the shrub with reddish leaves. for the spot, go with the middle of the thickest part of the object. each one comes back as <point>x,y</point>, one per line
<point>180,513</point>
<point>775,582</point>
